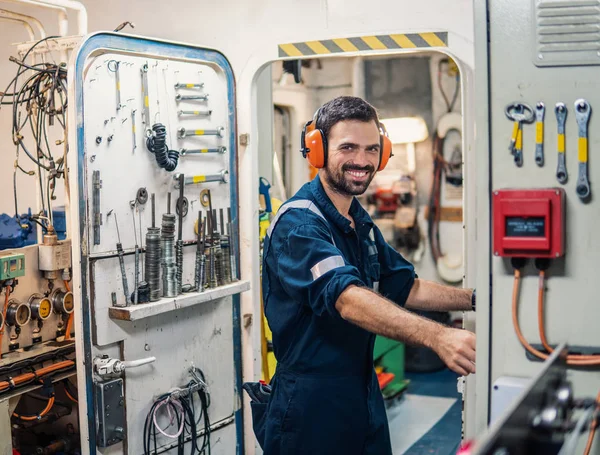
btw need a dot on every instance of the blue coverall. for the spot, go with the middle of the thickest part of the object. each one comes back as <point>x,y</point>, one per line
<point>325,396</point>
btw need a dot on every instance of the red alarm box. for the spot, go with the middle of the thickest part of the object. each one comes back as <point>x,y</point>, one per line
<point>529,223</point>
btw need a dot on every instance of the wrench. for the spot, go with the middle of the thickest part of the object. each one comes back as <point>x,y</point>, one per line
<point>561,116</point>
<point>182,132</point>
<point>582,115</point>
<point>519,113</point>
<point>146,111</point>
<point>540,110</point>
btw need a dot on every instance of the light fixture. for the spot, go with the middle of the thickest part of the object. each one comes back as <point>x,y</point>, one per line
<point>409,131</point>
<point>406,130</point>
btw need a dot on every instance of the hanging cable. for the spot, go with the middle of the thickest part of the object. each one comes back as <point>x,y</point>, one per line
<point>593,426</point>
<point>571,360</point>
<point>449,104</point>
<point>35,104</point>
<point>543,339</point>
<point>45,411</point>
<point>4,308</point>
<point>183,415</point>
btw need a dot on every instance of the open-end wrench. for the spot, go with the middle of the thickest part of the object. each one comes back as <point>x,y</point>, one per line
<point>582,115</point>
<point>561,116</point>
<point>540,110</point>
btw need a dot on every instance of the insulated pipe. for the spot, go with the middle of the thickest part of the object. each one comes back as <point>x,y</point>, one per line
<point>63,22</point>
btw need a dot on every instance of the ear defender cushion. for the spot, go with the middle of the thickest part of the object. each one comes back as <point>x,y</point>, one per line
<point>386,152</point>
<point>314,142</point>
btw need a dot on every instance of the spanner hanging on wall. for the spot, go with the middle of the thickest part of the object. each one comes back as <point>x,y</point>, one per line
<point>582,115</point>
<point>561,116</point>
<point>540,110</point>
<point>518,113</point>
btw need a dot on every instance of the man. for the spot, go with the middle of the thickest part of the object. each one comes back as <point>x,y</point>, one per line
<point>330,283</point>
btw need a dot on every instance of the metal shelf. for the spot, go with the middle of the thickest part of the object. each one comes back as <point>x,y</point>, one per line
<point>146,310</point>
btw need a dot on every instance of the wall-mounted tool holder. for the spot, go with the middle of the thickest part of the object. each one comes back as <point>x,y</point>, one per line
<point>520,113</point>
<point>141,295</point>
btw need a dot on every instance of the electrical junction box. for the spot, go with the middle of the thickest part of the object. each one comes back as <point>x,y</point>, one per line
<point>12,266</point>
<point>529,222</point>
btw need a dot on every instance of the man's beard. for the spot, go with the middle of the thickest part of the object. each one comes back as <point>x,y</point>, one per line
<point>343,184</point>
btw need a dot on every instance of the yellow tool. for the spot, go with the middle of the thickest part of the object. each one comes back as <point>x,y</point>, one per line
<point>582,115</point>
<point>540,110</point>
<point>561,116</point>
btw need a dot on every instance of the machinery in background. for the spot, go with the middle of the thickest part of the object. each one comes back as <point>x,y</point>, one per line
<point>445,202</point>
<point>395,210</point>
<point>17,232</point>
<point>546,418</point>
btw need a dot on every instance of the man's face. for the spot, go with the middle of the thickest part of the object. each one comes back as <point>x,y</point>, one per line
<point>353,156</point>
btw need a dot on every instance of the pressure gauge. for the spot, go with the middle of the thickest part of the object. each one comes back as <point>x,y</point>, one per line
<point>18,313</point>
<point>62,301</point>
<point>41,307</point>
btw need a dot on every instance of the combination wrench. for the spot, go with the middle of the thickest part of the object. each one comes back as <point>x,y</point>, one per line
<point>561,116</point>
<point>540,110</point>
<point>582,115</point>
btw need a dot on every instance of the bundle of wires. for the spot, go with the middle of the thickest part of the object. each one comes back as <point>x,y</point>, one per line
<point>440,167</point>
<point>184,419</point>
<point>36,104</point>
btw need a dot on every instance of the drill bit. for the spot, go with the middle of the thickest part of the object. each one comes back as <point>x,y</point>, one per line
<point>122,262</point>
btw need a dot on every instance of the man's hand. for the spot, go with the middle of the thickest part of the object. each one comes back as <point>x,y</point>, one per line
<point>456,348</point>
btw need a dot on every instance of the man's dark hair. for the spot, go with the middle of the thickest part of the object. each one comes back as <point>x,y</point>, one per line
<point>344,108</point>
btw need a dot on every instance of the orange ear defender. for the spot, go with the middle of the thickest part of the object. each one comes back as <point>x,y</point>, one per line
<point>386,148</point>
<point>313,144</point>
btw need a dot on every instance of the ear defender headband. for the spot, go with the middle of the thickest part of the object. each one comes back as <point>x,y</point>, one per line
<point>313,144</point>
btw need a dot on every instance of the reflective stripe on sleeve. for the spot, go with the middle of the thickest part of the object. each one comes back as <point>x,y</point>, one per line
<point>299,204</point>
<point>326,265</point>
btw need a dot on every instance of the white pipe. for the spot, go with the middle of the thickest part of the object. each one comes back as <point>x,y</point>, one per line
<point>26,21</point>
<point>138,363</point>
<point>63,21</point>
<point>82,20</point>
<point>69,4</point>
<point>22,22</point>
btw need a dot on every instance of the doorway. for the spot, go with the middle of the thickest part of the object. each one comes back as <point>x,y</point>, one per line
<point>417,203</point>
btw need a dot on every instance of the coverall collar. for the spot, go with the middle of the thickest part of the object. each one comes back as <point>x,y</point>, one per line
<point>357,212</point>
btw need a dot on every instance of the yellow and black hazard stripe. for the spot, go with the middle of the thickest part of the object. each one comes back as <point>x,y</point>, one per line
<point>364,43</point>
